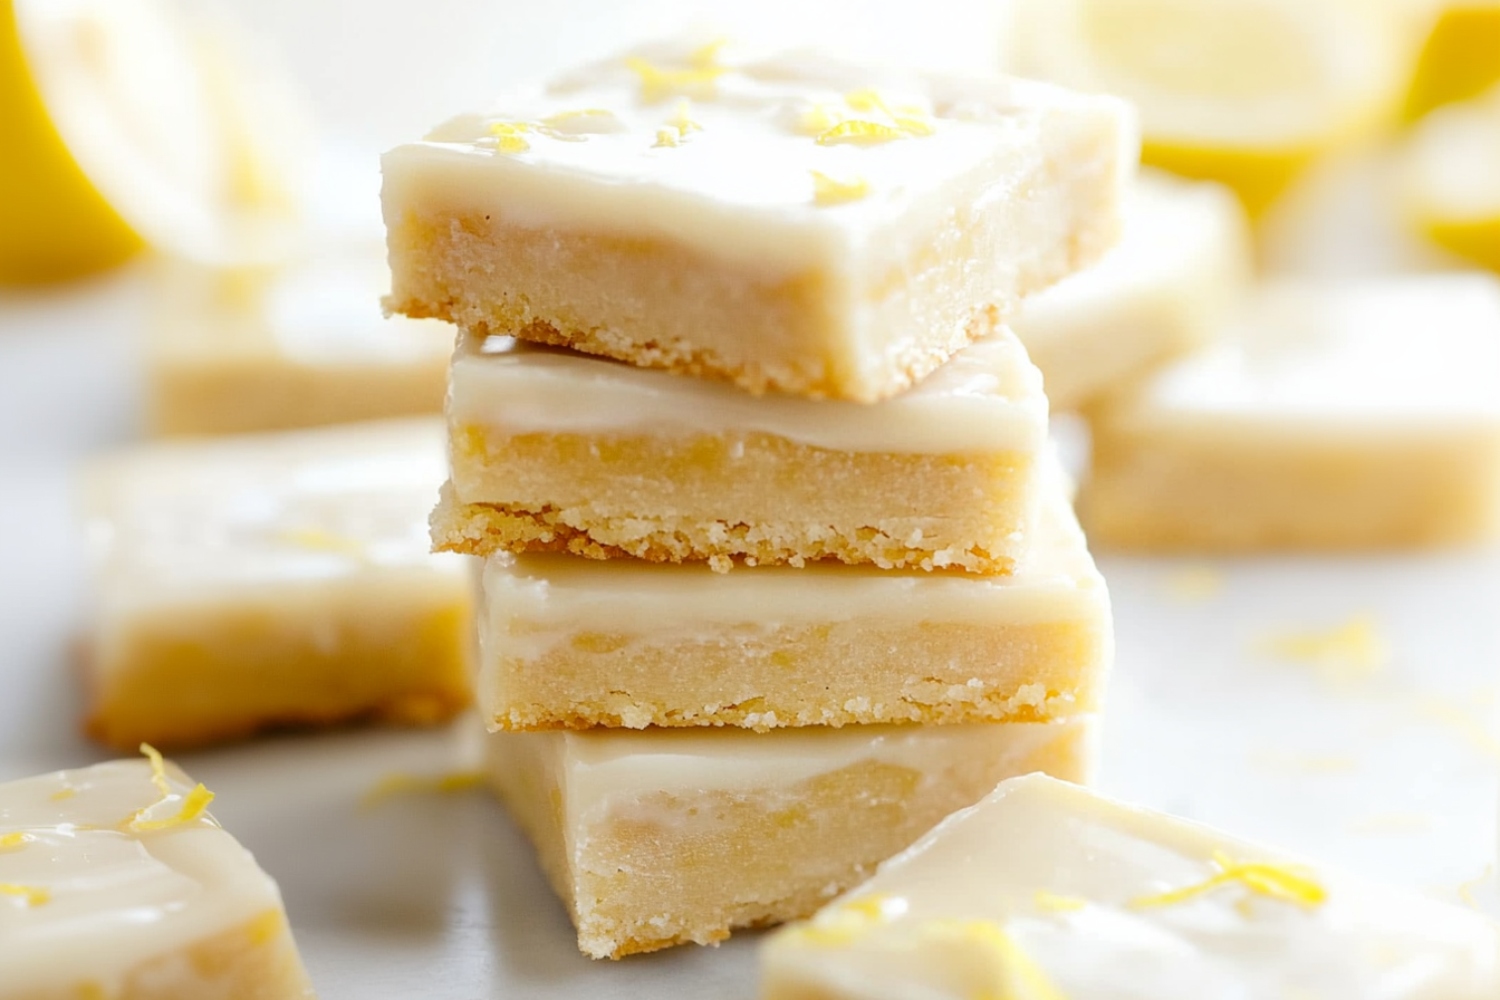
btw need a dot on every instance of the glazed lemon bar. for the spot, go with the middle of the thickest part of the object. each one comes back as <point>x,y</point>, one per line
<point>790,222</point>
<point>568,642</point>
<point>1046,890</point>
<point>231,351</point>
<point>1183,264</point>
<point>674,836</point>
<point>115,883</point>
<point>271,580</point>
<point>1362,416</point>
<point>558,451</point>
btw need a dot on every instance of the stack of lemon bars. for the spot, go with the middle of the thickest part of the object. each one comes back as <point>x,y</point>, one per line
<point>779,568</point>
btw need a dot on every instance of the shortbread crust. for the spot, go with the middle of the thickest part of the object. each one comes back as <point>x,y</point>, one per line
<point>1366,416</point>
<point>557,451</point>
<point>1048,890</point>
<point>271,580</point>
<point>300,345</point>
<point>573,643</point>
<point>792,223</point>
<point>674,836</point>
<point>117,885</point>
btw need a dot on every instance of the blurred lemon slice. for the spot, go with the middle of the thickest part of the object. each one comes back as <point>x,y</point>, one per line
<point>1451,178</point>
<point>1245,92</point>
<point>1460,57</point>
<point>131,122</point>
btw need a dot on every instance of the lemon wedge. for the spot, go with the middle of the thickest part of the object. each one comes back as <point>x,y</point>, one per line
<point>1450,178</point>
<point>133,122</point>
<point>1459,58</point>
<point>1244,92</point>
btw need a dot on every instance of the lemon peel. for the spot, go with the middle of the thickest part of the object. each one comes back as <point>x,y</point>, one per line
<point>1020,975</point>
<point>706,56</point>
<point>510,137</point>
<point>847,922</point>
<point>1055,903</point>
<point>1349,651</point>
<point>398,783</point>
<point>1287,883</point>
<point>15,841</point>
<point>194,804</point>
<point>699,80</point>
<point>29,895</point>
<point>63,794</point>
<point>860,132</point>
<point>832,191</point>
<point>682,119</point>
<point>320,540</point>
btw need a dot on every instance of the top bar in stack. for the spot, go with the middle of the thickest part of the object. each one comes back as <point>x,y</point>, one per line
<point>794,224</point>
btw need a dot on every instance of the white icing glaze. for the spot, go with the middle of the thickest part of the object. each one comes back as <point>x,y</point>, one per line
<point>988,397</point>
<point>1184,256</point>
<point>1401,355</point>
<point>605,769</point>
<point>115,899</point>
<point>741,185</point>
<point>536,601</point>
<point>1035,834</point>
<point>322,310</point>
<point>194,521</point>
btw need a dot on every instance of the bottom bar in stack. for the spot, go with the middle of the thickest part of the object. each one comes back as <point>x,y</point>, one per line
<point>664,837</point>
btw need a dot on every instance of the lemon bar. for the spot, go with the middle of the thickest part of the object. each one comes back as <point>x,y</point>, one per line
<point>558,451</point>
<point>673,836</point>
<point>115,883</point>
<point>1182,265</point>
<point>787,222</point>
<point>301,345</point>
<point>271,580</point>
<point>1045,889</point>
<point>1365,416</point>
<point>568,642</point>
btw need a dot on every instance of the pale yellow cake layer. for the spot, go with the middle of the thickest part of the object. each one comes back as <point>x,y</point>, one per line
<point>1184,262</point>
<point>573,643</point>
<point>272,580</point>
<point>668,837</point>
<point>1357,418</point>
<point>805,226</point>
<point>299,345</point>
<point>119,886</point>
<point>722,498</point>
<point>1048,890</point>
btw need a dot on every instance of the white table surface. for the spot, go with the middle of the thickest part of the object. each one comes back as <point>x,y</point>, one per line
<point>1392,774</point>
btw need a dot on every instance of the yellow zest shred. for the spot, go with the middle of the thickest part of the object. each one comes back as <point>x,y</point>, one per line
<point>1019,975</point>
<point>682,119</point>
<point>831,191</point>
<point>707,56</point>
<point>841,925</point>
<point>63,794</point>
<point>398,783</point>
<point>510,137</point>
<point>28,894</point>
<point>1290,884</point>
<point>665,137</point>
<point>1461,721</point>
<point>1055,903</point>
<point>657,84</point>
<point>859,132</point>
<point>1350,651</point>
<point>194,804</point>
<point>818,119</point>
<point>15,841</point>
<point>319,540</point>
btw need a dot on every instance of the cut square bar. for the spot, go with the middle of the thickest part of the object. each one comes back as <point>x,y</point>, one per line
<point>115,883</point>
<point>230,352</point>
<point>1048,890</point>
<point>1361,417</point>
<point>558,451</point>
<point>1181,268</point>
<point>566,642</point>
<point>660,838</point>
<point>272,580</point>
<point>792,223</point>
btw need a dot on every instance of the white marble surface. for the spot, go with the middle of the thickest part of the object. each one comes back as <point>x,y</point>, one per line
<point>1392,773</point>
